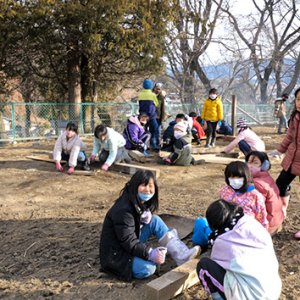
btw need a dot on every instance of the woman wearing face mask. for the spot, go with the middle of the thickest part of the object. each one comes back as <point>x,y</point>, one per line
<point>212,114</point>
<point>182,153</point>
<point>127,226</point>
<point>240,191</point>
<point>259,165</point>
<point>70,147</point>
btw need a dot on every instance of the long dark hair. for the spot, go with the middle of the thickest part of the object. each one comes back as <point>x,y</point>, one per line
<point>220,213</point>
<point>238,169</point>
<point>130,189</point>
<point>294,109</point>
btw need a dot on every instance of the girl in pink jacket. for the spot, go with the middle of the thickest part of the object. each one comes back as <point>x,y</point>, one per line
<point>259,165</point>
<point>240,191</point>
<point>291,147</point>
<point>246,140</point>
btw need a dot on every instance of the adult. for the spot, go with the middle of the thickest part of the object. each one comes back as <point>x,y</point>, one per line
<point>280,112</point>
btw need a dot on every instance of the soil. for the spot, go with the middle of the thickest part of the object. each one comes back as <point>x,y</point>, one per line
<point>50,224</point>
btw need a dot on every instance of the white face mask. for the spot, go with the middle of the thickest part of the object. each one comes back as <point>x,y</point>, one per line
<point>236,183</point>
<point>212,96</point>
<point>178,134</point>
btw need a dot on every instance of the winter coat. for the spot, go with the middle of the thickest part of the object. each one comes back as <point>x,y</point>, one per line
<point>246,253</point>
<point>119,241</point>
<point>198,127</point>
<point>212,110</point>
<point>252,202</point>
<point>133,133</point>
<point>250,137</point>
<point>113,141</point>
<point>148,103</point>
<point>161,106</point>
<point>291,146</point>
<point>266,185</point>
<point>71,147</point>
<point>182,154</point>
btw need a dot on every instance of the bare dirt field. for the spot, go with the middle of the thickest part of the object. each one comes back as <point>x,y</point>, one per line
<point>50,224</point>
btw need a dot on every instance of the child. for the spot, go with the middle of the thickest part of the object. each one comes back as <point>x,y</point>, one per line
<point>197,130</point>
<point>70,147</point>
<point>129,223</point>
<point>182,153</point>
<point>243,263</point>
<point>212,113</point>
<point>280,112</point>
<point>259,165</point>
<point>148,104</point>
<point>135,134</point>
<point>109,145</point>
<point>291,147</point>
<point>240,191</point>
<point>247,140</point>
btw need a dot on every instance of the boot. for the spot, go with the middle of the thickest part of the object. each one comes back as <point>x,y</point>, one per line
<point>213,142</point>
<point>285,203</point>
<point>178,249</point>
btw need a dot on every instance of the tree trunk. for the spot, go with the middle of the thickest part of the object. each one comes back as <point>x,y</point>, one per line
<point>74,85</point>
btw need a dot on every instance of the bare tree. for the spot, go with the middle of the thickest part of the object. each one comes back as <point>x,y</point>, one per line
<point>270,35</point>
<point>189,37</point>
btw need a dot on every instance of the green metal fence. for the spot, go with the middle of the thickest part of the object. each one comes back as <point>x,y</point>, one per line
<point>28,121</point>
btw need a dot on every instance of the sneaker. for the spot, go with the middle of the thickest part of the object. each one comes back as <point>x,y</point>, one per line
<point>207,146</point>
<point>86,166</point>
<point>213,145</point>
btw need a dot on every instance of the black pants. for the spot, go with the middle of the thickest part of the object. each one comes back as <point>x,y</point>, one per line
<point>283,182</point>
<point>211,131</point>
<point>211,275</point>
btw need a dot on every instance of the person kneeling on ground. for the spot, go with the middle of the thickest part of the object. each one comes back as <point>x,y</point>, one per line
<point>135,135</point>
<point>129,223</point>
<point>243,263</point>
<point>197,130</point>
<point>109,144</point>
<point>182,154</point>
<point>246,139</point>
<point>70,147</point>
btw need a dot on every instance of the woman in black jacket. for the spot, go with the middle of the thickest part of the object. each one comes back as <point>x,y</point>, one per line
<point>129,223</point>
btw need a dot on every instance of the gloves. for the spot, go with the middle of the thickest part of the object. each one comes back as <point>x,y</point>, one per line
<point>71,170</point>
<point>158,255</point>
<point>167,161</point>
<point>92,158</point>
<point>202,122</point>
<point>104,167</point>
<point>219,123</point>
<point>146,217</point>
<point>58,167</point>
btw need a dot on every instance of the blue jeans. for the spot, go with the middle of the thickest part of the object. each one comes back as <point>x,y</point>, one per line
<point>154,130</point>
<point>282,122</point>
<point>144,268</point>
<point>81,156</point>
<point>244,147</point>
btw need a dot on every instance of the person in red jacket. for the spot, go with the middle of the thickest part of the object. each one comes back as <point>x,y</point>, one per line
<point>197,130</point>
<point>259,165</point>
<point>291,147</point>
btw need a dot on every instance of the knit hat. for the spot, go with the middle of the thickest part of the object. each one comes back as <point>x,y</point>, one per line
<point>182,126</point>
<point>241,123</point>
<point>148,84</point>
<point>158,85</point>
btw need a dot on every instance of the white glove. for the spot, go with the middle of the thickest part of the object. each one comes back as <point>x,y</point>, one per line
<point>275,153</point>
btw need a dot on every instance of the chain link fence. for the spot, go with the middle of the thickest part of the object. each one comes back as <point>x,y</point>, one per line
<point>29,121</point>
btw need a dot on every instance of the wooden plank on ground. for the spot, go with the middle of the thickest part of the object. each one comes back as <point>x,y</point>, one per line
<point>183,225</point>
<point>174,282</point>
<point>212,158</point>
<point>232,155</point>
<point>44,158</point>
<point>137,155</point>
<point>131,169</point>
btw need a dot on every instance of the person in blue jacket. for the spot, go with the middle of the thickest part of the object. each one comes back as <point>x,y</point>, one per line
<point>148,104</point>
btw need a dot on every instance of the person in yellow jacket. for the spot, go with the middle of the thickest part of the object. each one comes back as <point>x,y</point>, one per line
<point>212,114</point>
